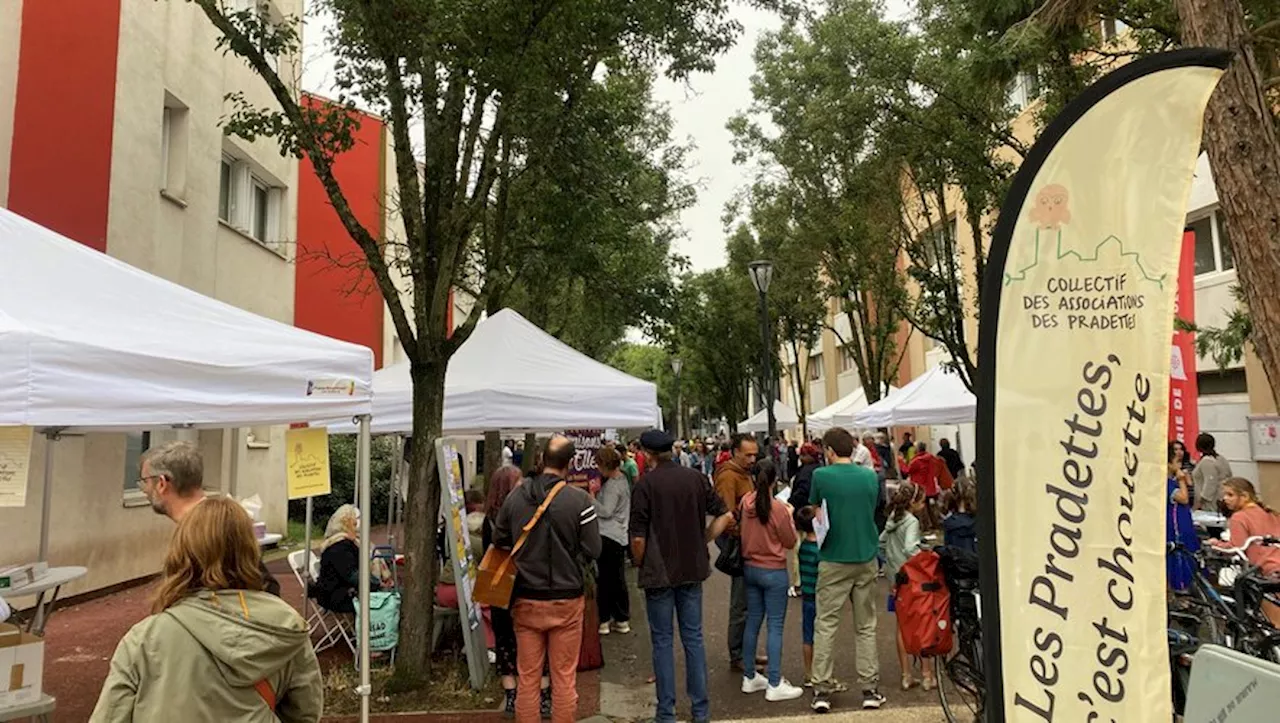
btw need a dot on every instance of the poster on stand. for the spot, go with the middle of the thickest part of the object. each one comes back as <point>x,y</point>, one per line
<point>306,452</point>
<point>583,470</point>
<point>1073,392</point>
<point>453,508</point>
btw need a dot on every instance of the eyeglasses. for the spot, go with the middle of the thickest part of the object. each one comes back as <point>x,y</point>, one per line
<point>144,480</point>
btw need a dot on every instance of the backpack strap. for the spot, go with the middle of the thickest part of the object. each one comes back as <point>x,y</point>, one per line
<point>524,535</point>
<point>268,695</point>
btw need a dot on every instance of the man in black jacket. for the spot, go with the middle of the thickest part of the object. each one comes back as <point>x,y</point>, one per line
<point>955,465</point>
<point>172,478</point>
<point>548,606</point>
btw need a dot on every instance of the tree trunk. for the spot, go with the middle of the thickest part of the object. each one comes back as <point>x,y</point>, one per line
<point>530,452</point>
<point>421,515</point>
<point>492,457</point>
<point>1240,136</point>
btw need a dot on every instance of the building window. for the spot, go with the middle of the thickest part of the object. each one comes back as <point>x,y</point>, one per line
<point>1213,247</point>
<point>846,359</point>
<point>224,190</point>
<point>249,202</point>
<point>135,445</point>
<point>1025,88</point>
<point>173,147</point>
<point>815,367</point>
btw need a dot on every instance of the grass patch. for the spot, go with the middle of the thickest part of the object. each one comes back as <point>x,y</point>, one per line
<point>445,687</point>
<point>296,533</point>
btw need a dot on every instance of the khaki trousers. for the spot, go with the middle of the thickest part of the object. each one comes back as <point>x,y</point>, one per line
<point>793,564</point>
<point>838,582</point>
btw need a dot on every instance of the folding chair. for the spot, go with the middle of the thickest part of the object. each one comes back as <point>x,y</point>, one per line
<point>333,628</point>
<point>387,554</point>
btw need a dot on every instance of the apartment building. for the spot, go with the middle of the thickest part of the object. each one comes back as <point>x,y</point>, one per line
<point>110,134</point>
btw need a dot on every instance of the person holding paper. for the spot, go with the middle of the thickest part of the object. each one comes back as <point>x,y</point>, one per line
<point>847,570</point>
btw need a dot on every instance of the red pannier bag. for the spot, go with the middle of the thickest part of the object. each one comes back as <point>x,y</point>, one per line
<point>923,604</point>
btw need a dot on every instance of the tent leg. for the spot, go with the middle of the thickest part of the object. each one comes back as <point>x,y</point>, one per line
<point>363,487</point>
<point>306,555</point>
<point>46,503</point>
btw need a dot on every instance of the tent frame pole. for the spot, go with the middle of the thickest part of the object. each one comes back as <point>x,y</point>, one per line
<point>306,554</point>
<point>52,435</point>
<point>366,520</point>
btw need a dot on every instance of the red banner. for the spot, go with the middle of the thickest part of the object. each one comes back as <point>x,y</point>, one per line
<point>1184,392</point>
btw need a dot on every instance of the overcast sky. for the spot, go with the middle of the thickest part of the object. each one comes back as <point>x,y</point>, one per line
<point>700,109</point>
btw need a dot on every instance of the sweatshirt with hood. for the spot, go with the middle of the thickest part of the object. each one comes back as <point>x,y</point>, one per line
<point>899,541</point>
<point>200,660</point>
<point>766,544</point>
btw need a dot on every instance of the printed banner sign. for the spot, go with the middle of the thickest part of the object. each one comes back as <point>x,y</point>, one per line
<point>583,470</point>
<point>15,461</point>
<point>307,460</point>
<point>454,509</point>
<point>1184,389</point>
<point>1073,399</point>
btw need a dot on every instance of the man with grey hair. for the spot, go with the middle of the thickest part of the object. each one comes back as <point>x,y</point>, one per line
<point>172,478</point>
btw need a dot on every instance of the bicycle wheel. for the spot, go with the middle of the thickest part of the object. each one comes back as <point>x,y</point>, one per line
<point>961,688</point>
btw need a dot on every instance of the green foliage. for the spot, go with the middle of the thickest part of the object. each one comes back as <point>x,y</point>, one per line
<point>651,363</point>
<point>342,480</point>
<point>1225,345</point>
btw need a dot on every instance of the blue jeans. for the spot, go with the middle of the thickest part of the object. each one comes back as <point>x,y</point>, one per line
<point>766,597</point>
<point>685,603</point>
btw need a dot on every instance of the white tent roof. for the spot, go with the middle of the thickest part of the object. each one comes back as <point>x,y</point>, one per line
<point>841,413</point>
<point>936,397</point>
<point>783,416</point>
<point>88,341</point>
<point>511,375</point>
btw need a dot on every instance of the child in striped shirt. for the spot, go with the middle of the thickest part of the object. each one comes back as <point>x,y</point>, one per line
<point>808,583</point>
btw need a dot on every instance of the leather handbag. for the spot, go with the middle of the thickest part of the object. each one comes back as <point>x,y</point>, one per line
<point>496,578</point>
<point>729,561</point>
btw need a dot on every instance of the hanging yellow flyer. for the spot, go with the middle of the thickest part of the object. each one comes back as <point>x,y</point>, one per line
<point>307,460</point>
<point>15,460</point>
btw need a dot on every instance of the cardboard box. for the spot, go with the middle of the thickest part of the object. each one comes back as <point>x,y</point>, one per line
<point>21,666</point>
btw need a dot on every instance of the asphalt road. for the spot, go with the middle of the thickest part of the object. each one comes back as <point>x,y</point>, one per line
<point>626,694</point>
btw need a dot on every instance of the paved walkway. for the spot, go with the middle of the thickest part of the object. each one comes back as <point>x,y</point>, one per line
<point>626,694</point>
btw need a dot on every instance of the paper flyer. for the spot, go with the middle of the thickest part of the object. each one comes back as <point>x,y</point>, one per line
<point>15,460</point>
<point>307,462</point>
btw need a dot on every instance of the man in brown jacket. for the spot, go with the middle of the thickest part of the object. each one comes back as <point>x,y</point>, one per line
<point>733,482</point>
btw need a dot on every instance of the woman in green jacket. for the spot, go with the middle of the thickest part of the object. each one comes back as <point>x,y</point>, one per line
<point>215,648</point>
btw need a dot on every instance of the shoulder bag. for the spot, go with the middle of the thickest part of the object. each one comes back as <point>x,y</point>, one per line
<point>496,578</point>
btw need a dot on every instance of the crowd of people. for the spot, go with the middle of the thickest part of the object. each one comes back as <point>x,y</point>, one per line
<point>823,521</point>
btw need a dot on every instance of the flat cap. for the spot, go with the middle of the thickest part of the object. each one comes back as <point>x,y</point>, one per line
<point>656,440</point>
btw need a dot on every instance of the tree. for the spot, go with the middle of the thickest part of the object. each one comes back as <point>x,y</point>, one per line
<point>651,363</point>
<point>1240,132</point>
<point>712,324</point>
<point>489,91</point>
<point>797,307</point>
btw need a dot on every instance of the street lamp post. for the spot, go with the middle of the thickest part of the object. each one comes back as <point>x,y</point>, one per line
<point>761,276</point>
<point>676,366</point>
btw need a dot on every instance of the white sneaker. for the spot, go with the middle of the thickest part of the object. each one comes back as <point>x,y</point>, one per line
<point>754,685</point>
<point>623,628</point>
<point>604,628</point>
<point>782,691</point>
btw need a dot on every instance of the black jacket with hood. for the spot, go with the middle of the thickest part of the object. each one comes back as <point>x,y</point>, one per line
<point>550,563</point>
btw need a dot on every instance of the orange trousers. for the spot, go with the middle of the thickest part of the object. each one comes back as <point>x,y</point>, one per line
<point>549,630</point>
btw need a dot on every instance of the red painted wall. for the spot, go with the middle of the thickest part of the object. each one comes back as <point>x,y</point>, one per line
<point>60,166</point>
<point>329,298</point>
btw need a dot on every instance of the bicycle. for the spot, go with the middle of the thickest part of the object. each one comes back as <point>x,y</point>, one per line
<point>1232,617</point>
<point>962,684</point>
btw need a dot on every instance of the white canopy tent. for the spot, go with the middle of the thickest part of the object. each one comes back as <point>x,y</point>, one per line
<point>510,375</point>
<point>91,343</point>
<point>784,417</point>
<point>841,413</point>
<point>936,397</point>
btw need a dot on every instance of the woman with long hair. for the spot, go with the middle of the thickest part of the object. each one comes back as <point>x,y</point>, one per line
<point>1179,527</point>
<point>247,653</point>
<point>768,531</point>
<point>501,482</point>
<point>1209,473</point>
<point>1250,518</point>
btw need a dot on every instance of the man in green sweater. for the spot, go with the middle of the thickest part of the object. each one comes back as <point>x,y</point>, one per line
<point>847,568</point>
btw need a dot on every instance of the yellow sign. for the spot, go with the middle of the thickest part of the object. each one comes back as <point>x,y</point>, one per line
<point>1073,397</point>
<point>307,459</point>
<point>15,459</point>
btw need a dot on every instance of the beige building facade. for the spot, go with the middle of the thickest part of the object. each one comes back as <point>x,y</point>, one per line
<point>161,188</point>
